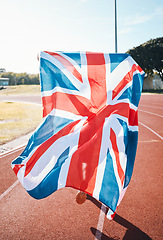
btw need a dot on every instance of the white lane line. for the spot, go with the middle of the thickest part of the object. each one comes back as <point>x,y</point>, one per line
<point>149,106</point>
<point>151,130</point>
<point>8,190</point>
<point>148,141</point>
<point>100,222</point>
<point>12,151</point>
<point>151,113</point>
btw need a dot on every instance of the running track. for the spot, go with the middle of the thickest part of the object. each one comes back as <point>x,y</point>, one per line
<point>59,216</point>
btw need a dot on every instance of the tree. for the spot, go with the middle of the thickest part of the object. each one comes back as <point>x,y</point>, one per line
<point>149,56</point>
<point>2,70</point>
<point>21,78</point>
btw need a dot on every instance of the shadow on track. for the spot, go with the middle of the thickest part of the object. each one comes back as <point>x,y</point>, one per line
<point>132,232</point>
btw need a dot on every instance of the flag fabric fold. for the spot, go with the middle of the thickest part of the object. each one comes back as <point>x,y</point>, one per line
<point>88,137</point>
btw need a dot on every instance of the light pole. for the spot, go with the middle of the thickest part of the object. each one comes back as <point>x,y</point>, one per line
<point>115,26</point>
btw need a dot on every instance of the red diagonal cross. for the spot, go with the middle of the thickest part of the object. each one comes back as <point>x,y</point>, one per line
<point>96,109</point>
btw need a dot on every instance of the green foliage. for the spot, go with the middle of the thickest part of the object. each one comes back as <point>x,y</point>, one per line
<point>2,70</point>
<point>21,78</point>
<point>16,119</point>
<point>149,56</point>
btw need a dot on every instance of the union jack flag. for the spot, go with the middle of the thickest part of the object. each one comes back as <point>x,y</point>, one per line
<point>88,137</point>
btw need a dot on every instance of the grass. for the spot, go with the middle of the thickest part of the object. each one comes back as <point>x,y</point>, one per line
<point>21,90</point>
<point>17,119</point>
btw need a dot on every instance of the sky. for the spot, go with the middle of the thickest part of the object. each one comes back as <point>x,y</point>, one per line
<point>31,26</point>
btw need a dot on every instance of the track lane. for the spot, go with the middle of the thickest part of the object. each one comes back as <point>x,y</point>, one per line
<point>59,217</point>
<point>140,213</point>
<point>56,217</point>
<point>151,113</point>
<point>152,121</point>
<point>7,176</point>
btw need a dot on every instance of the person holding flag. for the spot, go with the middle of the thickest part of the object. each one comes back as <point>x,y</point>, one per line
<point>88,137</point>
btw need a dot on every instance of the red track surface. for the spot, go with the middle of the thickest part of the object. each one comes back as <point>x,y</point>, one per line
<point>59,216</point>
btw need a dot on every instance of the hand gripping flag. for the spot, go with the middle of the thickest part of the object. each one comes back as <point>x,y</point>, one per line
<point>88,137</point>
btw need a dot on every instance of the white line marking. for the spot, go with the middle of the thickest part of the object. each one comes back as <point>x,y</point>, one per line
<point>100,222</point>
<point>150,113</point>
<point>149,106</point>
<point>148,141</point>
<point>9,189</point>
<point>12,150</point>
<point>151,130</point>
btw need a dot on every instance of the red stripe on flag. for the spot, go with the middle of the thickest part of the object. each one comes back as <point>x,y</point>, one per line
<point>128,78</point>
<point>84,162</point>
<point>67,102</point>
<point>116,152</point>
<point>133,118</point>
<point>140,69</point>
<point>69,66</point>
<point>97,79</point>
<point>17,167</point>
<point>44,146</point>
<point>121,109</point>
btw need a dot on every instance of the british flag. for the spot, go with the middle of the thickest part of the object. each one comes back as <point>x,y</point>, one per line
<point>88,137</point>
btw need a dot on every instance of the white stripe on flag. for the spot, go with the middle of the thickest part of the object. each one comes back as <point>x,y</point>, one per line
<point>118,129</point>
<point>102,159</point>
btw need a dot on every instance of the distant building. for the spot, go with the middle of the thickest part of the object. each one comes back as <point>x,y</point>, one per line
<point>153,83</point>
<point>4,81</point>
<point>157,83</point>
